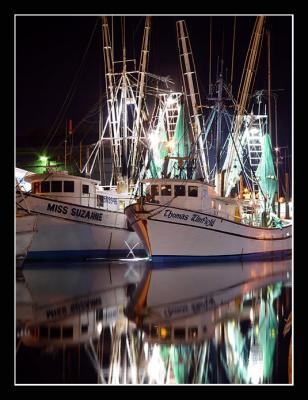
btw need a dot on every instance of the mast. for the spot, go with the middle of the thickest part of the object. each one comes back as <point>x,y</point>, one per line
<point>269,84</point>
<point>141,86</point>
<point>191,89</point>
<point>219,115</point>
<point>243,93</point>
<point>110,84</point>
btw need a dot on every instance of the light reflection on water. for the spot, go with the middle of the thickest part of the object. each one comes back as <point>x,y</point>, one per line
<point>129,321</point>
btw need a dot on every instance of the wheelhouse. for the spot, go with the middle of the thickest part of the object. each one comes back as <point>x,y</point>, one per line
<point>183,193</point>
<point>78,190</point>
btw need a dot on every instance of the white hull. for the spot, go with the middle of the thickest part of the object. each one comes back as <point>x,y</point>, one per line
<point>61,233</point>
<point>25,231</point>
<point>171,232</point>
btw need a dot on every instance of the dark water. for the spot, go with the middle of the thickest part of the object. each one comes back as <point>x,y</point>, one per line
<point>128,321</point>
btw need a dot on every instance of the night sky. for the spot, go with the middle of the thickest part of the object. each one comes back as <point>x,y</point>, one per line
<point>49,50</point>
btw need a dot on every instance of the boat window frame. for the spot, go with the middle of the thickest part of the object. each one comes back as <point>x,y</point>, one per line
<point>193,332</point>
<point>178,186</point>
<point>100,201</point>
<point>55,332</point>
<point>155,185</point>
<point>35,187</point>
<point>195,187</point>
<point>179,328</point>
<point>165,188</point>
<point>44,183</point>
<point>84,329</point>
<point>53,183</point>
<point>83,186</point>
<point>67,332</point>
<point>67,183</point>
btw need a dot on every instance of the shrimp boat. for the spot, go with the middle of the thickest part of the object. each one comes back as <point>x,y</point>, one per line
<point>186,210</point>
<point>76,215</point>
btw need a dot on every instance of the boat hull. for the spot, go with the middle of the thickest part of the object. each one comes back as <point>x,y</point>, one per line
<point>25,232</point>
<point>67,231</point>
<point>171,233</point>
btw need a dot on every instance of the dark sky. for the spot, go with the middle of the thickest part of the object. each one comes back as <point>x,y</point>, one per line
<point>49,50</point>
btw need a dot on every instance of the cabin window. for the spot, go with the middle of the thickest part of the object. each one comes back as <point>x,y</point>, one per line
<point>85,189</point>
<point>121,204</point>
<point>43,331</point>
<point>165,333</point>
<point>154,190</point>
<point>179,333</point>
<point>146,329</point>
<point>99,314</point>
<point>84,328</point>
<point>100,201</point>
<point>154,332</point>
<point>179,190</point>
<point>68,186</point>
<point>193,191</point>
<point>55,332</point>
<point>166,190</point>
<point>56,186</point>
<point>45,187</point>
<point>193,332</point>
<point>67,332</point>
<point>35,187</point>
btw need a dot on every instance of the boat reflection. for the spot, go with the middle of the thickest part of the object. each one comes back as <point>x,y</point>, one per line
<point>136,323</point>
<point>210,324</point>
<point>58,307</point>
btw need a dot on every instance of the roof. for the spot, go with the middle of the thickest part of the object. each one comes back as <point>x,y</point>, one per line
<point>175,181</point>
<point>62,174</point>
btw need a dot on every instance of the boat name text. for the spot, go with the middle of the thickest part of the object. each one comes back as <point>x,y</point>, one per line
<point>73,308</point>
<point>110,200</point>
<point>198,307</point>
<point>194,218</point>
<point>75,212</point>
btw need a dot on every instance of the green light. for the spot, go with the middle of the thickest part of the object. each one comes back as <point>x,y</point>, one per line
<point>44,159</point>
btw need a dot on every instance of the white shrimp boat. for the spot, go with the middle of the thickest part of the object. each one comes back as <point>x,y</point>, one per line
<point>188,220</point>
<point>76,217</point>
<point>191,207</point>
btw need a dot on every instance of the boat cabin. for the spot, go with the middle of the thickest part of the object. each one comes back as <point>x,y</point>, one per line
<point>71,331</point>
<point>183,193</point>
<point>78,190</point>
<point>192,195</point>
<point>78,328</point>
<point>196,328</point>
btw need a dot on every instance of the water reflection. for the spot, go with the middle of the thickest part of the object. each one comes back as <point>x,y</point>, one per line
<point>131,322</point>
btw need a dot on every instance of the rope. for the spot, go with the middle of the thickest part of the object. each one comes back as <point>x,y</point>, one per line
<point>232,62</point>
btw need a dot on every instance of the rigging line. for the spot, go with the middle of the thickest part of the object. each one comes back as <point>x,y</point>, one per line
<point>256,68</point>
<point>71,91</point>
<point>232,62</point>
<point>210,58</point>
